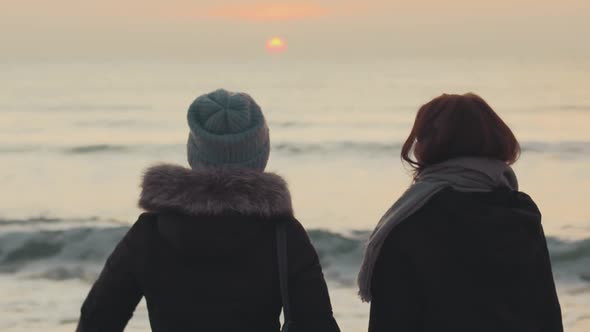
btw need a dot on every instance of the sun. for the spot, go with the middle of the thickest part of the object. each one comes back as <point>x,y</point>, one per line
<point>276,45</point>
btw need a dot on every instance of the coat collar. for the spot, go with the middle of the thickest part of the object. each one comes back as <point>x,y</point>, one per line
<point>214,191</point>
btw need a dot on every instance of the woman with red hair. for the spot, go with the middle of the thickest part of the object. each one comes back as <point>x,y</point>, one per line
<point>462,249</point>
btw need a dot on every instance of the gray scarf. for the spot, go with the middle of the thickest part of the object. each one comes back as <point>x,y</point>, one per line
<point>461,174</point>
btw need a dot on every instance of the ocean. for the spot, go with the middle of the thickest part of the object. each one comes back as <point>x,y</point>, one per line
<point>75,137</point>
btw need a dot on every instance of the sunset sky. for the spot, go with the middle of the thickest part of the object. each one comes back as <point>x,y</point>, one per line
<point>73,28</point>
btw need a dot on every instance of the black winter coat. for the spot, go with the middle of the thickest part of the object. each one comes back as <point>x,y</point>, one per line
<point>205,258</point>
<point>466,262</point>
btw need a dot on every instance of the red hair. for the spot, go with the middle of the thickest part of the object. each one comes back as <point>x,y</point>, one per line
<point>451,126</point>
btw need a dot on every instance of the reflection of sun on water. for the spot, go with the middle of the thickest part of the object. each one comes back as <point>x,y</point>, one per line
<point>276,45</point>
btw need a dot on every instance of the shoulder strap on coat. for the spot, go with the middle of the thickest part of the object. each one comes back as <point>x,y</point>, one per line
<point>283,275</point>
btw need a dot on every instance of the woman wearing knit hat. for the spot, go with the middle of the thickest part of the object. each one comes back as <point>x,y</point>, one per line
<point>462,250</point>
<point>205,254</point>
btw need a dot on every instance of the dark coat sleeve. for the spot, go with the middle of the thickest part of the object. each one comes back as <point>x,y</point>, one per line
<point>551,312</point>
<point>395,292</point>
<point>545,294</point>
<point>114,296</point>
<point>310,301</point>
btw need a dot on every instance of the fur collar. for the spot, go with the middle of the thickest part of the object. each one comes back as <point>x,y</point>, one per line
<point>214,191</point>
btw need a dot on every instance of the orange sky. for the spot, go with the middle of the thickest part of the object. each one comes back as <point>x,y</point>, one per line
<point>283,10</point>
<point>268,11</point>
<point>311,27</point>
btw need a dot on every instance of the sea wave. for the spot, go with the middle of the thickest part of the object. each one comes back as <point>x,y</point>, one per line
<point>566,149</point>
<point>579,148</point>
<point>75,107</point>
<point>98,148</point>
<point>579,107</point>
<point>79,251</point>
<point>19,149</point>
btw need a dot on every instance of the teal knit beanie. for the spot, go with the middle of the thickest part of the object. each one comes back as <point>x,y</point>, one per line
<point>227,129</point>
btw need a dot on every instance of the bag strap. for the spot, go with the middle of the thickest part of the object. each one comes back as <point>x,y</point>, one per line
<point>283,274</point>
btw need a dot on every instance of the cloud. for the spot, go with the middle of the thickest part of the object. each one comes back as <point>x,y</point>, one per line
<point>269,12</point>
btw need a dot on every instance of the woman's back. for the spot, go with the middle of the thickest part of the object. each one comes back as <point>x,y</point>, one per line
<point>220,280</point>
<point>205,254</point>
<point>467,261</point>
<point>462,249</point>
<point>208,269</point>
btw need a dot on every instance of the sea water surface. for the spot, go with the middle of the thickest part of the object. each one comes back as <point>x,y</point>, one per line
<point>75,138</point>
